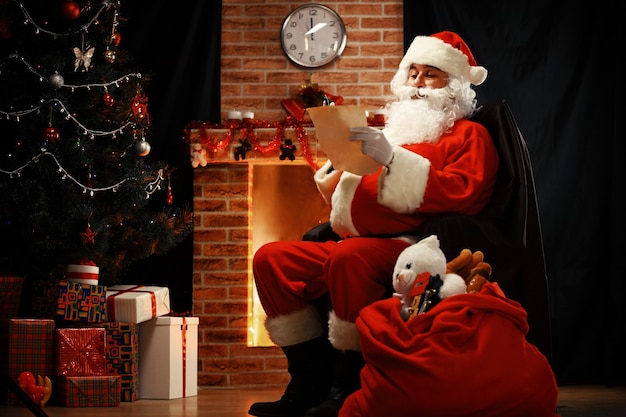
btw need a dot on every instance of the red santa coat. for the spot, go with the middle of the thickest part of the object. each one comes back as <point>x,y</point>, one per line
<point>467,357</point>
<point>456,174</point>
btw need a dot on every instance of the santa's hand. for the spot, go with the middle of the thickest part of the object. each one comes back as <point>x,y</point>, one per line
<point>375,144</point>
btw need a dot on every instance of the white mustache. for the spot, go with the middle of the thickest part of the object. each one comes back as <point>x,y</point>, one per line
<point>408,92</point>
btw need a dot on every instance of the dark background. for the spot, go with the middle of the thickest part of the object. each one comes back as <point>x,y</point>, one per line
<point>557,66</point>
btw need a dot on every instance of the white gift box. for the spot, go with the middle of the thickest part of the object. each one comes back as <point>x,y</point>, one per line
<point>168,358</point>
<point>137,303</point>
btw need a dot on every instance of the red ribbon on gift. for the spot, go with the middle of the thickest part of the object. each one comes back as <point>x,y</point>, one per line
<point>184,331</point>
<point>83,275</point>
<point>111,301</point>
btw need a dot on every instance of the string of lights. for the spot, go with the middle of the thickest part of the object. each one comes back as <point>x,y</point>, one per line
<point>57,105</point>
<point>153,186</point>
<point>53,80</point>
<point>84,29</point>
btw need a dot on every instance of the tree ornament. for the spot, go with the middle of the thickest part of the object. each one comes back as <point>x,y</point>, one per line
<point>50,134</point>
<point>108,100</point>
<point>56,81</point>
<point>83,58</point>
<point>169,200</point>
<point>88,235</point>
<point>110,56</point>
<point>70,10</point>
<point>142,147</point>
<point>116,38</point>
<point>140,108</point>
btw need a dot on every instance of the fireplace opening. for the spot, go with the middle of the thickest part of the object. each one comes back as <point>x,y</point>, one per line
<point>284,203</point>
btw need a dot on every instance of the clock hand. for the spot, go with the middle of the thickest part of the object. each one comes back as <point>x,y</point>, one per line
<point>310,30</point>
<point>315,29</point>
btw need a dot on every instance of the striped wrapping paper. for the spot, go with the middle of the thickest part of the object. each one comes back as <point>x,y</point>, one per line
<point>137,303</point>
<point>87,391</point>
<point>25,345</point>
<point>81,352</point>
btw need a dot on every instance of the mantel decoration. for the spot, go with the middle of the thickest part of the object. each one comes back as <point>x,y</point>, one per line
<point>249,140</point>
<point>309,95</point>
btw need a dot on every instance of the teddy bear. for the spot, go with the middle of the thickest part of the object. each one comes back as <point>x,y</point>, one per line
<point>287,150</point>
<point>421,280</point>
<point>198,155</point>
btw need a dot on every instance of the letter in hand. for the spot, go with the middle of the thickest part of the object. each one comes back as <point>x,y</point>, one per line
<point>375,144</point>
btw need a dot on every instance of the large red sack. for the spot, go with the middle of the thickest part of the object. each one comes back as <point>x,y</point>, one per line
<point>468,356</point>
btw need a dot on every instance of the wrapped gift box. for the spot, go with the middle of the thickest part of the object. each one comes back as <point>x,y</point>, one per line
<point>81,302</point>
<point>44,298</point>
<point>10,294</point>
<point>168,358</point>
<point>81,352</point>
<point>85,272</point>
<point>87,391</point>
<point>122,356</point>
<point>25,345</point>
<point>137,303</point>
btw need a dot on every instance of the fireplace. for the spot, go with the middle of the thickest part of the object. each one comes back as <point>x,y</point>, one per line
<point>240,204</point>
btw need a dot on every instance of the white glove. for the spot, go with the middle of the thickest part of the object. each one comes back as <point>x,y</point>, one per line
<point>375,144</point>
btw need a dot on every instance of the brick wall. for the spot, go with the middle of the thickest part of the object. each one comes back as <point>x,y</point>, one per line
<point>255,76</point>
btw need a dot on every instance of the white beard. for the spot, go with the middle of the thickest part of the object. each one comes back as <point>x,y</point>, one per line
<point>423,119</point>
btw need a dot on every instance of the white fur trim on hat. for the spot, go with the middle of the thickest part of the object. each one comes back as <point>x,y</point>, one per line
<point>444,50</point>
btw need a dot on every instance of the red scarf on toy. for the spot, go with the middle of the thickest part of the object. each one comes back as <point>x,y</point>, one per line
<point>467,357</point>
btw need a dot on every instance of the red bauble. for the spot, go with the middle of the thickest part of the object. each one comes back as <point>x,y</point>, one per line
<point>70,10</point>
<point>108,100</point>
<point>169,200</point>
<point>50,134</point>
<point>116,38</point>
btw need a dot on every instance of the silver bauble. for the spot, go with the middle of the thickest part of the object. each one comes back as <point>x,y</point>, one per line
<point>56,81</point>
<point>142,147</point>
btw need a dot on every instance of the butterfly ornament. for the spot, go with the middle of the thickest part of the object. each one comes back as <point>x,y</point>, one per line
<point>83,58</point>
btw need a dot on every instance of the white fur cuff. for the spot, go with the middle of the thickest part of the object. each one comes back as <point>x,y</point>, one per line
<point>297,327</point>
<point>401,187</point>
<point>343,334</point>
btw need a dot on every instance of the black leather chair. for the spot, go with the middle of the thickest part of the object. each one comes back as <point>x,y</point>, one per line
<point>507,231</point>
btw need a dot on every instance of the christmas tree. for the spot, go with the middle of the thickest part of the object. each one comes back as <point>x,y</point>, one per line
<point>77,181</point>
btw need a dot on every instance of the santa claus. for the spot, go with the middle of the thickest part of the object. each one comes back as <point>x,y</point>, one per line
<point>432,160</point>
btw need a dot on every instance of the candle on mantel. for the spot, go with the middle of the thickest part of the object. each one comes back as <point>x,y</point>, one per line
<point>234,116</point>
<point>248,116</point>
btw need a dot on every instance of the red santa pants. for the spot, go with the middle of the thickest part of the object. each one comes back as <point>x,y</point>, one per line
<point>357,271</point>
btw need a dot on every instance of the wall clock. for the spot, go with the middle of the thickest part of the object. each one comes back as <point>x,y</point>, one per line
<point>313,35</point>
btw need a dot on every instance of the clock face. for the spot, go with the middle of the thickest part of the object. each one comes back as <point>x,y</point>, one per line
<point>313,35</point>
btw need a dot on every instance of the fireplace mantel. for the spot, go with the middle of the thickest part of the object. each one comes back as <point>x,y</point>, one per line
<point>241,144</point>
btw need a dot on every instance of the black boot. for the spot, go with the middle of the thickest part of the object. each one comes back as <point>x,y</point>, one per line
<point>347,380</point>
<point>310,365</point>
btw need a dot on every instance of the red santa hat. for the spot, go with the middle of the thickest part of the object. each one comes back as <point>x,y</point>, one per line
<point>444,50</point>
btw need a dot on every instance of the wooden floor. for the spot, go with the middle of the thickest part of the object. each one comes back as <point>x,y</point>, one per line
<point>574,401</point>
